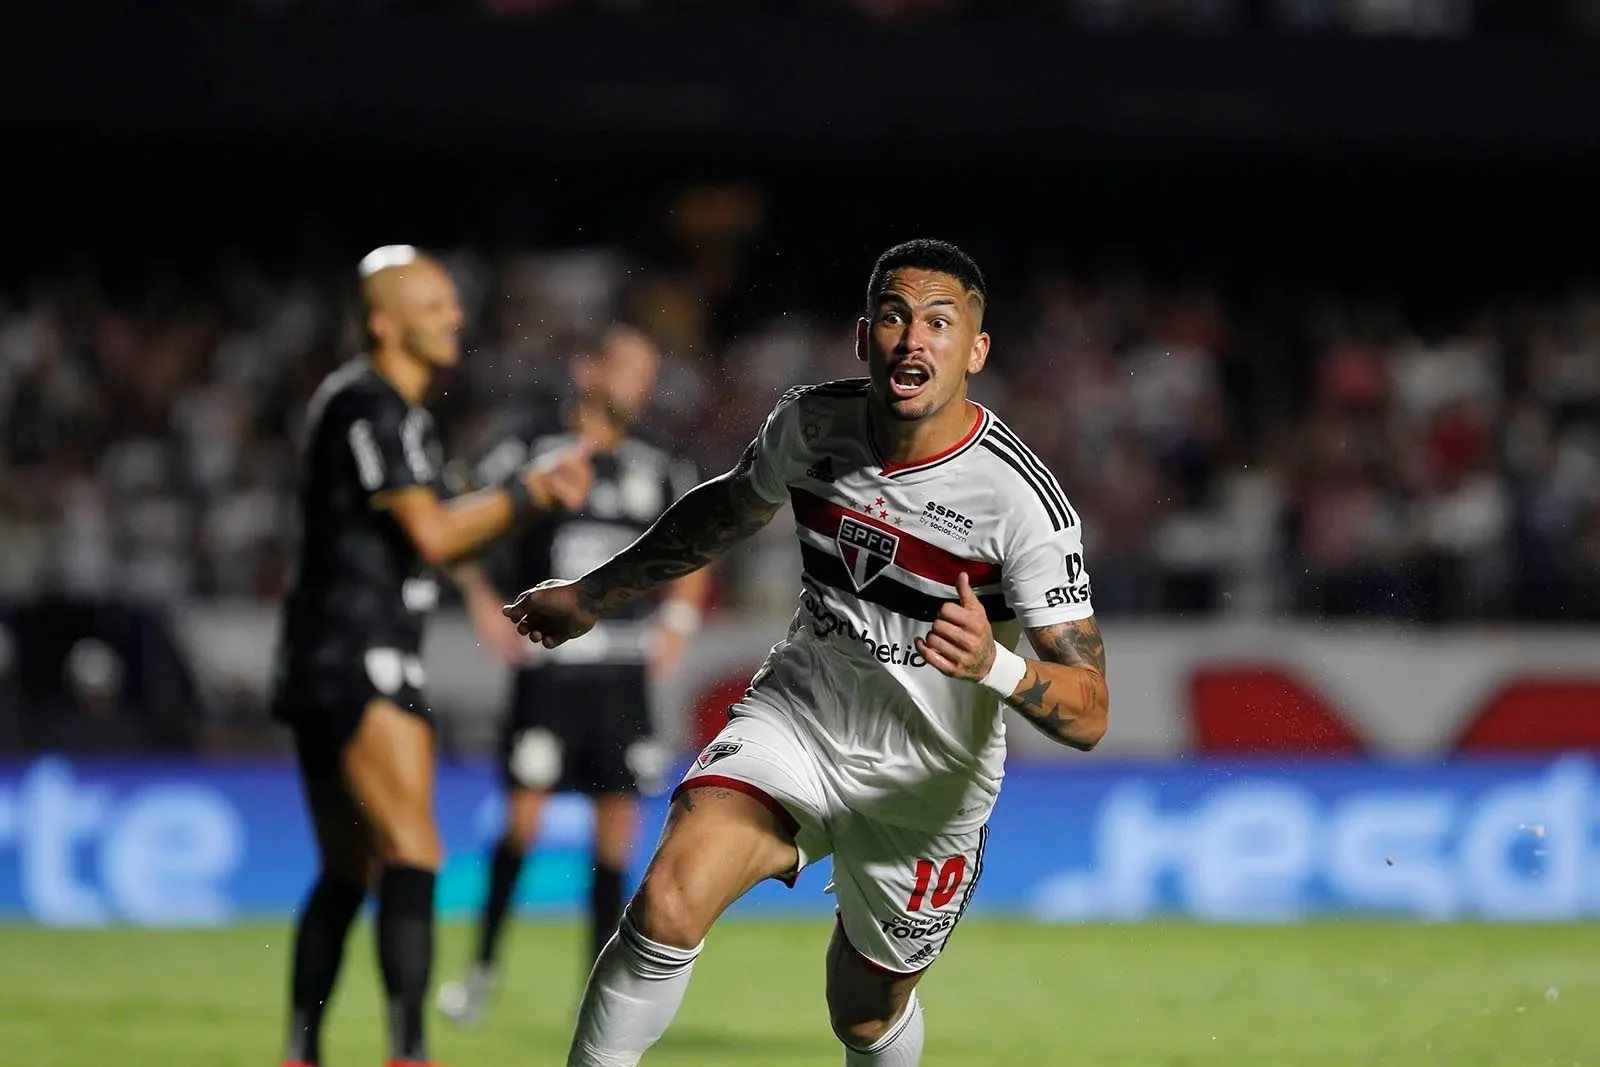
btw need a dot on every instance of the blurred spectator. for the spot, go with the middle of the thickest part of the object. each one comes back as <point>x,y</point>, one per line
<point>1337,459</point>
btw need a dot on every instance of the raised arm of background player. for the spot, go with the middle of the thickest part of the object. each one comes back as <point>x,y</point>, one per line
<point>445,531</point>
<point>679,614</point>
<point>700,526</point>
<point>395,470</point>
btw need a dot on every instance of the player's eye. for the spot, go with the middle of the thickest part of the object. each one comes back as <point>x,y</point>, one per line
<point>940,322</point>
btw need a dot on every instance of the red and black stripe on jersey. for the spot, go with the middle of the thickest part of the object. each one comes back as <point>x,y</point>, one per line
<point>913,555</point>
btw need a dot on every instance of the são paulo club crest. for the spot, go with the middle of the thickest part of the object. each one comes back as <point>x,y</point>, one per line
<point>715,751</point>
<point>866,550</point>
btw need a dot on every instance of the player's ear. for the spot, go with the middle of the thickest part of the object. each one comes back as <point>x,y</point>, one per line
<point>980,354</point>
<point>378,326</point>
<point>862,329</point>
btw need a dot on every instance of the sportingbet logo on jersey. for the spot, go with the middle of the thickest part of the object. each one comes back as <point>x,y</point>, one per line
<point>866,550</point>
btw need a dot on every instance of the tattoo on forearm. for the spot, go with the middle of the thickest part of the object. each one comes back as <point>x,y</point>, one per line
<point>1041,699</point>
<point>705,523</point>
<point>1075,643</point>
<point>1034,701</point>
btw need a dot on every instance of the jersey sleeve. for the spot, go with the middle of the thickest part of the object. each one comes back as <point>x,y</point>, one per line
<point>777,451</point>
<point>1044,576</point>
<point>389,444</point>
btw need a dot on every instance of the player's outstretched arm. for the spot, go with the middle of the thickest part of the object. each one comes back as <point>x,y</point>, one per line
<point>1063,693</point>
<point>445,531</point>
<point>700,526</point>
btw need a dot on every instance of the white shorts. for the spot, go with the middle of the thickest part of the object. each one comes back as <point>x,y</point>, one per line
<point>900,891</point>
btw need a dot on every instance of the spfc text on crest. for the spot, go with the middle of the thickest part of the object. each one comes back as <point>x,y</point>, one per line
<point>866,550</point>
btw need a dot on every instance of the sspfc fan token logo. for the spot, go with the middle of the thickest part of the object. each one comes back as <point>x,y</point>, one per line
<point>715,751</point>
<point>866,550</point>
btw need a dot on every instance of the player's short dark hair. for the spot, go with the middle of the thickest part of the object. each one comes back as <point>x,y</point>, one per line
<point>925,253</point>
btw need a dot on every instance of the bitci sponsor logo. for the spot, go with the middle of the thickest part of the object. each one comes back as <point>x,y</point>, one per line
<point>1075,590</point>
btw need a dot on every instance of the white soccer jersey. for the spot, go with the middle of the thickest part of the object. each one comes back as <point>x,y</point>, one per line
<point>882,545</point>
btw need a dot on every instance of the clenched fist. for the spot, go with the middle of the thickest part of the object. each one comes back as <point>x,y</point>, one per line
<point>551,613</point>
<point>961,643</point>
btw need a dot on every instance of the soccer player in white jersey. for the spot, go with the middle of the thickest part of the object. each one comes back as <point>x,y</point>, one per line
<point>874,732</point>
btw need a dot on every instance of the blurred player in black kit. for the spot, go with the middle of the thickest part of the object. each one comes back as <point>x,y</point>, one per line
<point>579,718</point>
<point>349,673</point>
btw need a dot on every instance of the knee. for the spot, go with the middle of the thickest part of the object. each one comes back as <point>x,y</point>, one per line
<point>611,857</point>
<point>668,911</point>
<point>522,819</point>
<point>413,842</point>
<point>358,872</point>
<point>611,851</point>
<point>860,1029</point>
<point>519,835</point>
<point>861,1018</point>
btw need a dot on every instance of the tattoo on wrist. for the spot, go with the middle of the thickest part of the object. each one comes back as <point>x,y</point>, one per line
<point>1046,703</point>
<point>1033,700</point>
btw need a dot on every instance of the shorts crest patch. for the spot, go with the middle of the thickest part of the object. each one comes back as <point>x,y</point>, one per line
<point>715,751</point>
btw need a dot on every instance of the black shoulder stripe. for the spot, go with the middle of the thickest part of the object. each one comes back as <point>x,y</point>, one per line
<point>1032,460</point>
<point>1058,519</point>
<point>844,387</point>
<point>794,393</point>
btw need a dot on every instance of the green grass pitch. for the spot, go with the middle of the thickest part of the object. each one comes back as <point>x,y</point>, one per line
<point>1351,995</point>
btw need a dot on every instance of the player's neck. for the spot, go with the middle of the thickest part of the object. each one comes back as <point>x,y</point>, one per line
<point>594,425</point>
<point>902,443</point>
<point>408,376</point>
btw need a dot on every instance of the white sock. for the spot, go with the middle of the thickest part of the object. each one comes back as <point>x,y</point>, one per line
<point>900,1047</point>
<point>632,995</point>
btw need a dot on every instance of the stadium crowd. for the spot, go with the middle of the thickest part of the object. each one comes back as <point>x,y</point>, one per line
<point>1336,458</point>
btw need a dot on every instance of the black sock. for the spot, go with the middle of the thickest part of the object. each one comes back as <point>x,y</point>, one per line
<point>405,955</point>
<point>503,873</point>
<point>319,938</point>
<point>605,908</point>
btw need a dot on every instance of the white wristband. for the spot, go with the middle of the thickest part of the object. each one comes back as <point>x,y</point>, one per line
<point>681,617</point>
<point>1007,672</point>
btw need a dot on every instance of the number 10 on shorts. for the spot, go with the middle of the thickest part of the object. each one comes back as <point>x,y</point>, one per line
<point>951,873</point>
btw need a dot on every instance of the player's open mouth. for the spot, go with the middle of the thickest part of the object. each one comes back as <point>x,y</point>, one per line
<point>907,380</point>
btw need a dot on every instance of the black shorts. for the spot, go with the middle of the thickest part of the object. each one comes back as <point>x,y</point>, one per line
<point>323,702</point>
<point>582,729</point>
